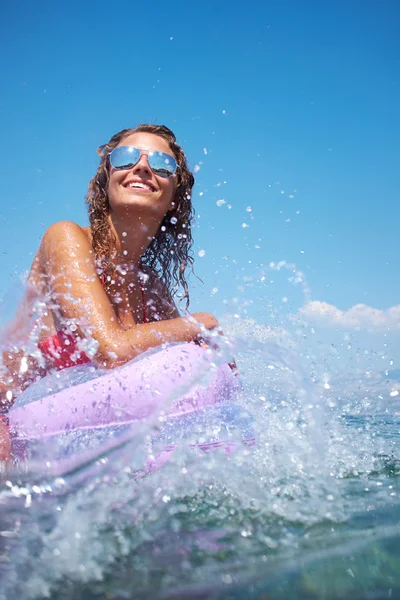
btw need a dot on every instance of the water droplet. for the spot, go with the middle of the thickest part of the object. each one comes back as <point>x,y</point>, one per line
<point>124,234</point>
<point>201,253</point>
<point>24,365</point>
<point>173,220</point>
<point>249,209</point>
<point>220,202</point>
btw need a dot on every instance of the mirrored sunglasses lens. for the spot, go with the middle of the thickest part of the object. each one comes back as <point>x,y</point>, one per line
<point>163,164</point>
<point>124,157</point>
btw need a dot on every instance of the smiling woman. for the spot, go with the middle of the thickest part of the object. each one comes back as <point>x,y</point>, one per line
<point>104,293</point>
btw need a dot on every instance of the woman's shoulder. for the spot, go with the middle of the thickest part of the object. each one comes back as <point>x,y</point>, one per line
<point>65,237</point>
<point>62,229</point>
<point>65,232</point>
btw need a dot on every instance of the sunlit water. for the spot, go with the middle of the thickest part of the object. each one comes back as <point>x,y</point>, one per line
<point>311,510</point>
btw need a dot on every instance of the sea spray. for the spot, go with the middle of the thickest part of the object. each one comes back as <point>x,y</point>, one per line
<point>314,497</point>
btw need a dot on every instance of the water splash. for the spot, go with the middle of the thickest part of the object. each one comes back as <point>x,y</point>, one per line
<point>208,523</point>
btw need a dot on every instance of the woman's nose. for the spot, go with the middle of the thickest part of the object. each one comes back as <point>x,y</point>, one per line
<point>142,164</point>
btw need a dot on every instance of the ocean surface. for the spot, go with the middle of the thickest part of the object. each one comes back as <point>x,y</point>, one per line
<point>306,507</point>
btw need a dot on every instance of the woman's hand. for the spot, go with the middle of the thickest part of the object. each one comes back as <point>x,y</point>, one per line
<point>205,319</point>
<point>210,322</point>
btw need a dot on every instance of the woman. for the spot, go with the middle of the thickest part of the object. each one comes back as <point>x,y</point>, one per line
<point>108,287</point>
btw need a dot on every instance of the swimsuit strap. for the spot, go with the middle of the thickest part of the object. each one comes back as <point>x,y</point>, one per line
<point>142,290</point>
<point>144,304</point>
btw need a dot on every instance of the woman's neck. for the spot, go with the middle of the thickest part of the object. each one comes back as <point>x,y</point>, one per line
<point>133,237</point>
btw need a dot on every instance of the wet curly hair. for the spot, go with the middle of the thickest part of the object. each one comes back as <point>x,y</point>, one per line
<point>169,253</point>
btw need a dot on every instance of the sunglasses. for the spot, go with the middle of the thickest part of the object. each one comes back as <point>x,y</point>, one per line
<point>126,157</point>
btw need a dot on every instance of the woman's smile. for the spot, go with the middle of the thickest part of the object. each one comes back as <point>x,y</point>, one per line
<point>140,181</point>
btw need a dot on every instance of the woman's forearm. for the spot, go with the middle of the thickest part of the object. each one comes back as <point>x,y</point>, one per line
<point>124,345</point>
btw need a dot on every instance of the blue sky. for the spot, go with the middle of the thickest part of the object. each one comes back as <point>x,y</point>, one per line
<point>287,108</point>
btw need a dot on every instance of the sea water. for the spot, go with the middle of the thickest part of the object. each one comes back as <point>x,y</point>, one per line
<point>310,510</point>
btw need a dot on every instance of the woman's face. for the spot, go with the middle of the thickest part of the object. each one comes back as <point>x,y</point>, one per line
<point>138,187</point>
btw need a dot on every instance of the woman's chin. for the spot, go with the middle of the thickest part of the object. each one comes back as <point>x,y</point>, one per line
<point>143,206</point>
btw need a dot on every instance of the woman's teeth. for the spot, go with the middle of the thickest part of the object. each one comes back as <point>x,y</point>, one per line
<point>142,186</point>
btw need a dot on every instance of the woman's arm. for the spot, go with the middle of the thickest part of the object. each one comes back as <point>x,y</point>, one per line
<point>5,441</point>
<point>18,370</point>
<point>67,257</point>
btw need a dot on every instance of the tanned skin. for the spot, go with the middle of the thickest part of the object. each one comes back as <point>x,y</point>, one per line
<point>64,269</point>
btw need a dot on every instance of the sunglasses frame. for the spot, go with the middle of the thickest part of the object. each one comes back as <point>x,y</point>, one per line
<point>146,153</point>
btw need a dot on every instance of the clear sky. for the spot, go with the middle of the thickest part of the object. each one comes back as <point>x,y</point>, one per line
<point>288,111</point>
